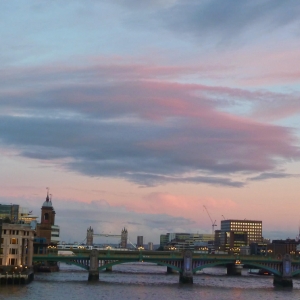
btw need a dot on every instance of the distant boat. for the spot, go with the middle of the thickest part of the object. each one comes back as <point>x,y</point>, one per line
<point>259,272</point>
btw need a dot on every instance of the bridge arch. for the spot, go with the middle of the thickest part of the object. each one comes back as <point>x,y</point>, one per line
<point>175,268</point>
<point>265,267</point>
<point>112,263</point>
<point>86,267</point>
<point>250,264</point>
<point>295,273</point>
<point>119,262</point>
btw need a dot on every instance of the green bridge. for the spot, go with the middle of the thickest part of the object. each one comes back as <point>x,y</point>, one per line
<point>186,263</point>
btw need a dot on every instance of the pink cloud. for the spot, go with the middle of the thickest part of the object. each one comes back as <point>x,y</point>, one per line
<point>181,206</point>
<point>179,127</point>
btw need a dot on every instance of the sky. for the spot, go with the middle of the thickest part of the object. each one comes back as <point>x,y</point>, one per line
<point>138,114</point>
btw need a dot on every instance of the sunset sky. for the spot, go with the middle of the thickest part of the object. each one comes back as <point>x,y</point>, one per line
<point>137,113</point>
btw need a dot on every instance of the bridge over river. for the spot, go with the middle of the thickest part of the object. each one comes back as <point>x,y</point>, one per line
<point>186,263</point>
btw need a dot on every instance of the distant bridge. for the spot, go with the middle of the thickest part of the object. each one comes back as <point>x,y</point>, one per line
<point>186,263</point>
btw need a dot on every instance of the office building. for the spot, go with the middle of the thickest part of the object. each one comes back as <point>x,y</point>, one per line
<point>9,213</point>
<point>232,241</point>
<point>252,228</point>
<point>140,242</point>
<point>150,246</point>
<point>163,241</point>
<point>16,244</point>
<point>282,247</point>
<point>179,241</point>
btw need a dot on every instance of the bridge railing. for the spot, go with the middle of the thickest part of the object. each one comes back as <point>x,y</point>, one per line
<point>127,254</point>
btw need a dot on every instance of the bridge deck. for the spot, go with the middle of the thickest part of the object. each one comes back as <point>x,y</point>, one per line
<point>158,255</point>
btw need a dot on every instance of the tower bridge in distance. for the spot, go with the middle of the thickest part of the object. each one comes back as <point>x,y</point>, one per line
<point>123,237</point>
<point>186,263</point>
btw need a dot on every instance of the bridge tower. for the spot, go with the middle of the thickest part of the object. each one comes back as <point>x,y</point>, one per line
<point>89,236</point>
<point>124,237</point>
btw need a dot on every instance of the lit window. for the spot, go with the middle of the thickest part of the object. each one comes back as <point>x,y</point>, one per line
<point>13,241</point>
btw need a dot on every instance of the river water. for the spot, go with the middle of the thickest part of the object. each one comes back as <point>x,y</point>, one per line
<point>143,281</point>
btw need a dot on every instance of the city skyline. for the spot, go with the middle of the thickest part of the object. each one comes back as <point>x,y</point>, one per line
<point>137,115</point>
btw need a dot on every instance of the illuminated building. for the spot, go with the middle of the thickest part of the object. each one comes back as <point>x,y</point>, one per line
<point>252,228</point>
<point>191,241</point>
<point>16,244</point>
<point>140,242</point>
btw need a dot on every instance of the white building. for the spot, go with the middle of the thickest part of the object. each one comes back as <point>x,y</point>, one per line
<point>16,244</point>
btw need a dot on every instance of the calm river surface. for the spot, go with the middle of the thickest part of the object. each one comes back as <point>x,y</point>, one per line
<point>140,281</point>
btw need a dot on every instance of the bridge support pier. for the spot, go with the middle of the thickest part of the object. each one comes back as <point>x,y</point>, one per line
<point>234,270</point>
<point>108,269</point>
<point>286,279</point>
<point>186,276</point>
<point>283,281</point>
<point>94,263</point>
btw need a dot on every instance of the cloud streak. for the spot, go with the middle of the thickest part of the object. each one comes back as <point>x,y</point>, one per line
<point>116,124</point>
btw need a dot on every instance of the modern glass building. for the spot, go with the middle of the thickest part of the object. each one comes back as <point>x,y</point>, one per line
<point>251,227</point>
<point>9,212</point>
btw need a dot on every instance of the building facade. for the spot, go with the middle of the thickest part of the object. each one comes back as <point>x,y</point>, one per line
<point>282,247</point>
<point>232,241</point>
<point>150,246</point>
<point>16,244</point>
<point>163,241</point>
<point>140,241</point>
<point>9,213</point>
<point>182,241</point>
<point>251,227</point>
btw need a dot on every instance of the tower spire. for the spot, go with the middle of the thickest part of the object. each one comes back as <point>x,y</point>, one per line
<point>47,198</point>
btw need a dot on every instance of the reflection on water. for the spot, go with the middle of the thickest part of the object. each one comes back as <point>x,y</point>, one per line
<point>144,281</point>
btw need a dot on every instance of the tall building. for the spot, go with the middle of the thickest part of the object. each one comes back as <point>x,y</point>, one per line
<point>124,238</point>
<point>150,246</point>
<point>140,242</point>
<point>164,240</point>
<point>252,228</point>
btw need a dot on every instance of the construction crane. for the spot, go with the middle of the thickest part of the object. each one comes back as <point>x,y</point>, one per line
<point>213,224</point>
<point>223,217</point>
